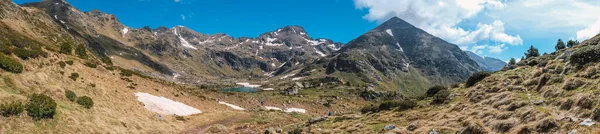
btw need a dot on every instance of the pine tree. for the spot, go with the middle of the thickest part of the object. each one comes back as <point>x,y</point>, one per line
<point>572,43</point>
<point>512,61</point>
<point>560,45</point>
<point>532,52</point>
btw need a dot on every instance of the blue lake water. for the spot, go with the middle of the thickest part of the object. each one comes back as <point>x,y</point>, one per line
<point>241,89</point>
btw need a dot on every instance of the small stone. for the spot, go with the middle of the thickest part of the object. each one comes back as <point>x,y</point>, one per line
<point>433,132</point>
<point>389,127</point>
<point>411,127</point>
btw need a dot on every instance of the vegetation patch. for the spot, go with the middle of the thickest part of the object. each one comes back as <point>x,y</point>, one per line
<point>434,90</point>
<point>66,48</point>
<point>41,107</point>
<point>85,101</point>
<point>80,51</point>
<point>11,109</point>
<point>585,55</point>
<point>90,64</point>
<point>74,76</point>
<point>70,95</point>
<point>476,77</point>
<point>10,64</point>
<point>440,97</point>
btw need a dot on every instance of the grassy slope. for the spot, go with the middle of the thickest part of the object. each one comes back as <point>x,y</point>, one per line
<point>501,103</point>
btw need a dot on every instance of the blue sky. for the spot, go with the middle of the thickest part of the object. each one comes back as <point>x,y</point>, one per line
<point>495,28</point>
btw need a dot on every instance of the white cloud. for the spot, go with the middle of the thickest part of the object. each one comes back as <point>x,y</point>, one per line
<point>590,31</point>
<point>183,17</point>
<point>442,19</point>
<point>177,0</point>
<point>547,18</point>
<point>479,49</point>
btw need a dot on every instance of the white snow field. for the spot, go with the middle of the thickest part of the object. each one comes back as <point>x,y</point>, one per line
<point>232,106</point>
<point>246,84</point>
<point>165,106</point>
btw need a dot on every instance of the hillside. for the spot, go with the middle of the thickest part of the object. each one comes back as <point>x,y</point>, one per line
<point>554,93</point>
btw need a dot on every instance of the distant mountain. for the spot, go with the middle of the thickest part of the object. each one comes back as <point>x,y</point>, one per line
<point>398,56</point>
<point>182,54</point>
<point>487,63</point>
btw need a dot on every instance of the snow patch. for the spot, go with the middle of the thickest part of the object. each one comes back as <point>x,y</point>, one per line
<point>270,42</point>
<point>125,30</point>
<point>302,33</point>
<point>389,31</point>
<point>232,106</point>
<point>320,53</point>
<point>297,78</point>
<point>297,110</point>
<point>273,108</point>
<point>332,46</point>
<point>184,42</point>
<point>273,64</point>
<point>246,84</point>
<point>399,47</point>
<point>268,89</point>
<point>286,76</point>
<point>587,122</point>
<point>165,106</point>
<point>260,47</point>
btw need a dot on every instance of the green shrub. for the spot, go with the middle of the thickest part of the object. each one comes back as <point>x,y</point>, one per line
<point>80,51</point>
<point>70,95</point>
<point>125,72</point>
<point>433,90</point>
<point>62,64</point>
<point>476,77</point>
<point>297,130</point>
<point>85,101</point>
<point>74,76</point>
<point>41,107</point>
<point>66,48</point>
<point>440,97</point>
<point>401,105</point>
<point>90,64</point>
<point>10,65</point>
<point>70,62</point>
<point>10,109</point>
<point>369,109</point>
<point>5,49</point>
<point>106,60</point>
<point>27,54</point>
<point>585,55</point>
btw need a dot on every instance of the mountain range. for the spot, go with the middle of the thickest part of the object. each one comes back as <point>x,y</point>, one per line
<point>487,63</point>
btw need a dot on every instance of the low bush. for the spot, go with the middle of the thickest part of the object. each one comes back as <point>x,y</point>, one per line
<point>80,51</point>
<point>476,77</point>
<point>440,97</point>
<point>401,105</point>
<point>85,101</point>
<point>69,62</point>
<point>125,72</point>
<point>90,64</point>
<point>369,109</point>
<point>74,76</point>
<point>585,55</point>
<point>41,107</point>
<point>66,48</point>
<point>62,64</point>
<point>106,60</point>
<point>9,64</point>
<point>27,54</point>
<point>5,49</point>
<point>11,109</point>
<point>433,90</point>
<point>70,95</point>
